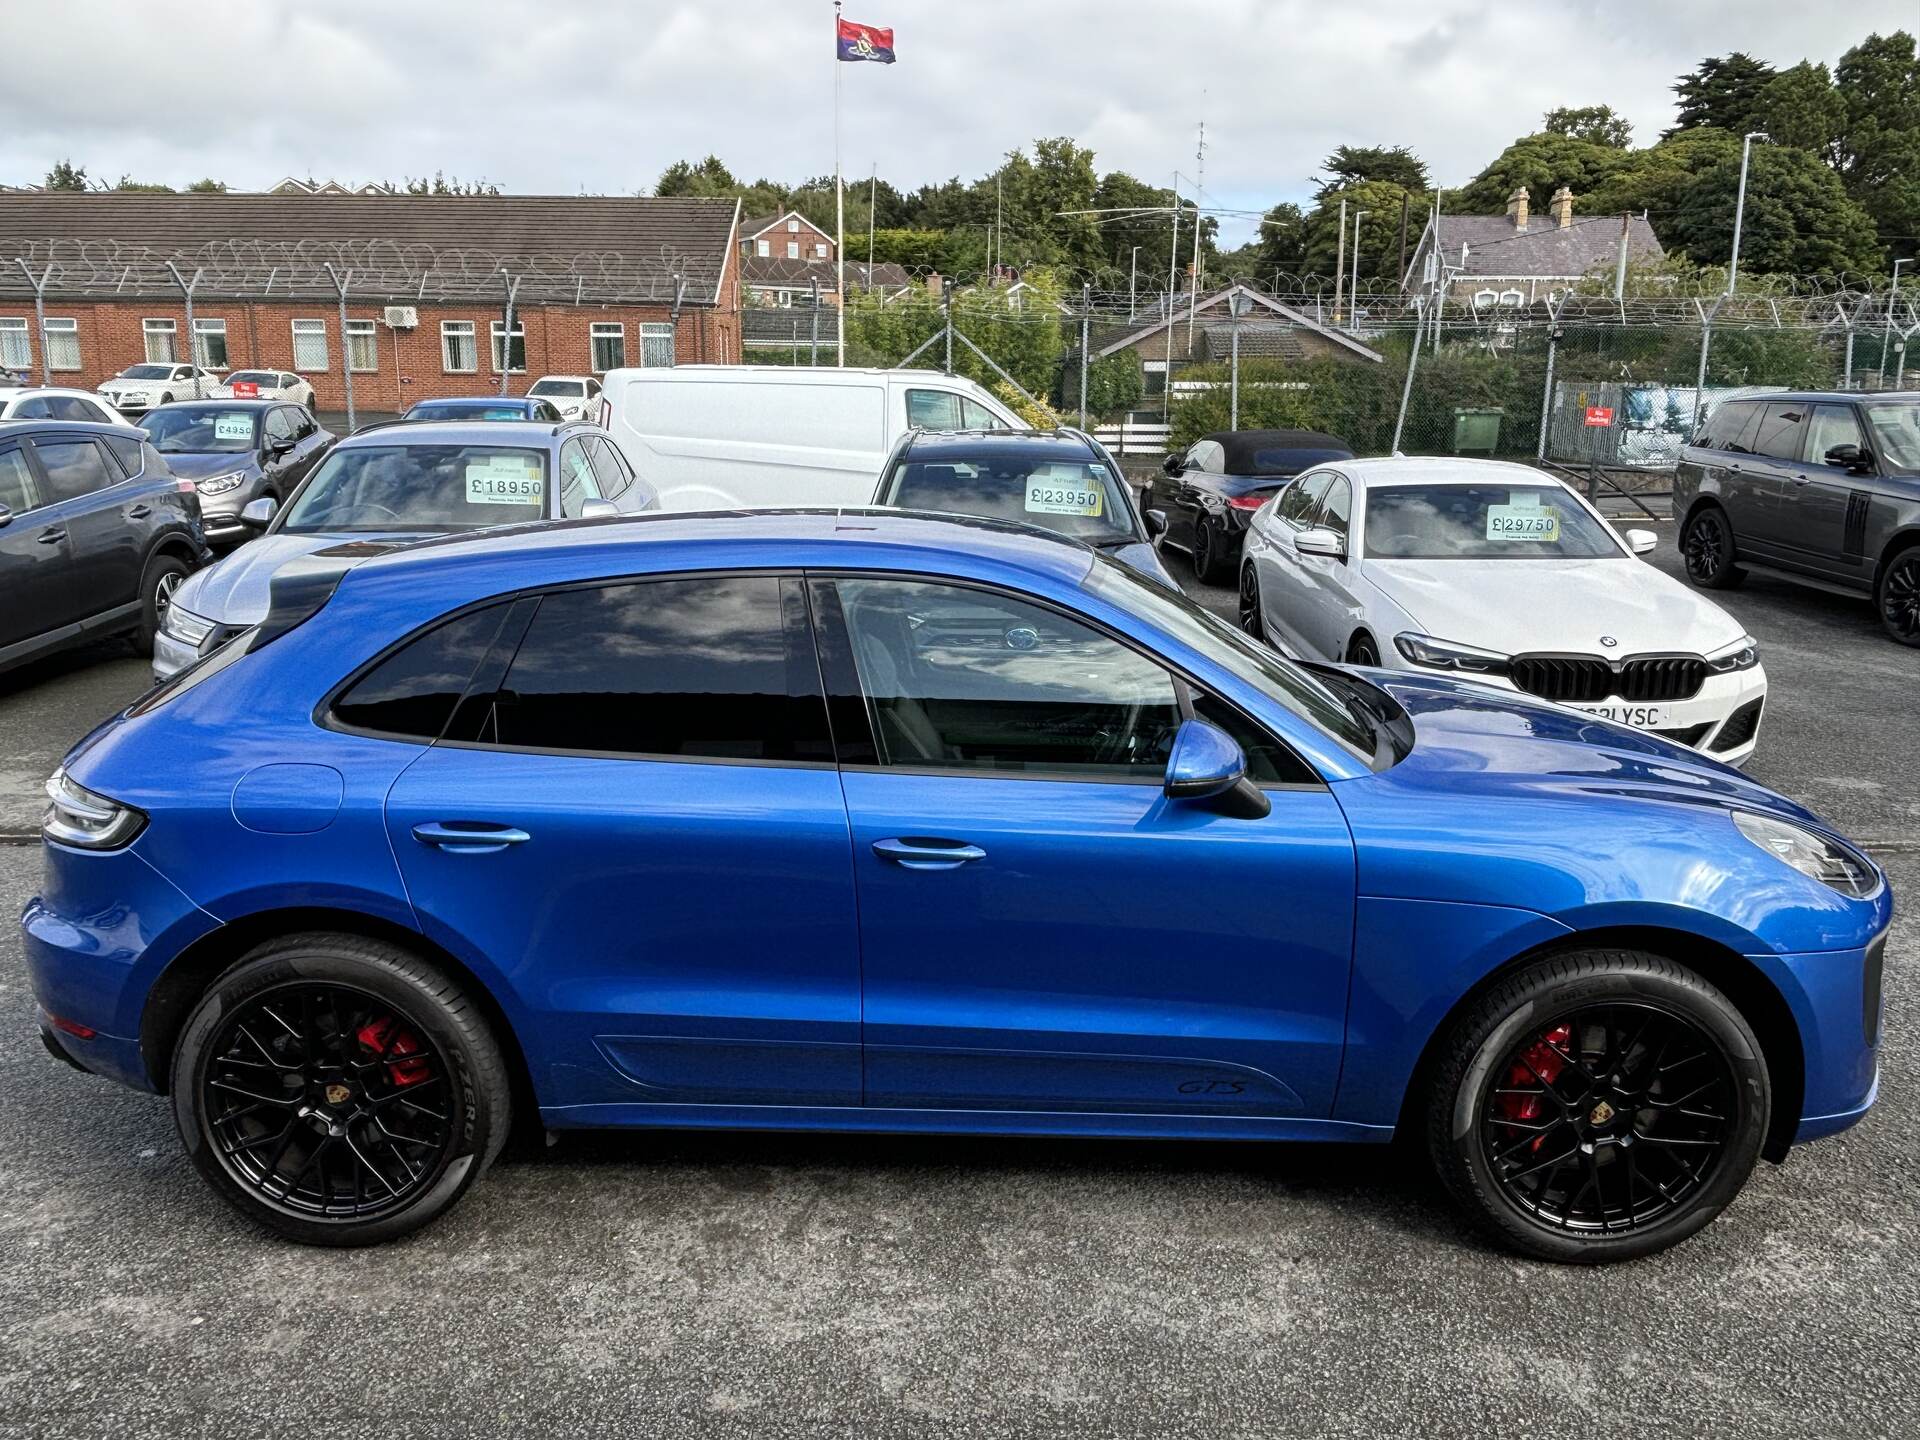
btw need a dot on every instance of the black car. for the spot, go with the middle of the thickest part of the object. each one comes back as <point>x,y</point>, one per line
<point>1210,491</point>
<point>95,536</point>
<point>1060,480</point>
<point>1823,488</point>
<point>485,407</point>
<point>236,452</point>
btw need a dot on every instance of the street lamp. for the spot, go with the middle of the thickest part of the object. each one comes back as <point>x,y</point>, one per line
<point>1133,276</point>
<point>1740,205</point>
<point>1353,280</point>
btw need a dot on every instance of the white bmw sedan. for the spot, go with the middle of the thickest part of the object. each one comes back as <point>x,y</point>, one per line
<point>1502,574</point>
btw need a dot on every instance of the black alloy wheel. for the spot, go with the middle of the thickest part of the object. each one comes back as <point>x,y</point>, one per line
<point>1250,620</point>
<point>1209,546</point>
<point>164,575</point>
<point>1362,651</point>
<point>1707,548</point>
<point>339,1090</point>
<point>1900,596</point>
<point>1597,1106</point>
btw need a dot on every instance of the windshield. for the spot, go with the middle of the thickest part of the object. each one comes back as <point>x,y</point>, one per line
<point>200,430</point>
<point>468,410</point>
<point>1896,435</point>
<point>1483,522</point>
<point>1265,670</point>
<point>420,487</point>
<point>569,389</point>
<point>147,372</point>
<point>1070,497</point>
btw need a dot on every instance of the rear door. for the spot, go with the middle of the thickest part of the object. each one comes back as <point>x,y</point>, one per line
<point>1327,605</point>
<point>637,817</point>
<point>37,590</point>
<point>102,518</point>
<point>1767,526</point>
<point>1286,584</point>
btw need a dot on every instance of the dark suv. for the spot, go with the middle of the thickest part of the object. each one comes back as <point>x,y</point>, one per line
<point>95,536</point>
<point>1822,488</point>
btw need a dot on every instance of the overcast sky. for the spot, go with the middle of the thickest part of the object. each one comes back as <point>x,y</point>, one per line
<point>560,97</point>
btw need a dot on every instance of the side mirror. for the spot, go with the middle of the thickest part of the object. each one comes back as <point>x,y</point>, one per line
<point>1320,542</point>
<point>258,514</point>
<point>6,517</point>
<point>281,447</point>
<point>1174,465</point>
<point>1156,523</point>
<point>598,510</point>
<point>1207,766</point>
<point>1850,457</point>
<point>1642,541</point>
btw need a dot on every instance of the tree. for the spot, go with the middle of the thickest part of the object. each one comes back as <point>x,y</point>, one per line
<point>1281,246</point>
<point>1351,165</point>
<point>1375,253</point>
<point>65,175</point>
<point>1723,93</point>
<point>207,187</point>
<point>128,185</point>
<point>698,178</point>
<point>1878,82</point>
<point>1596,124</point>
<point>1542,164</point>
<point>1800,107</point>
<point>1799,218</point>
<point>443,184</point>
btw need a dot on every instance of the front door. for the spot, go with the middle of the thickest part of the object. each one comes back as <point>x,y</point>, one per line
<point>1041,930</point>
<point>36,559</point>
<point>639,823</point>
<point>1823,498</point>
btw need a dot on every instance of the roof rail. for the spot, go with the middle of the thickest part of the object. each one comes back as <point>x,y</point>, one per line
<point>378,425</point>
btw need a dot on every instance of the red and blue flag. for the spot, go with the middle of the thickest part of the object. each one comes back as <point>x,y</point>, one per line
<point>864,42</point>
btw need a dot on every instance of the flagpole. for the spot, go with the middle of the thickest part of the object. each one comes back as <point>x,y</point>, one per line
<point>839,202</point>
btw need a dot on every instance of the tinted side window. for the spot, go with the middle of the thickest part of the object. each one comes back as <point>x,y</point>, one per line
<point>1783,429</point>
<point>1303,498</point>
<point>717,667</point>
<point>973,680</point>
<point>1730,427</point>
<point>608,473</point>
<point>72,407</point>
<point>577,485</point>
<point>1832,425</point>
<point>39,407</point>
<point>1337,506</point>
<point>74,467</point>
<point>16,481</point>
<point>412,692</point>
<point>280,425</point>
<point>127,450</point>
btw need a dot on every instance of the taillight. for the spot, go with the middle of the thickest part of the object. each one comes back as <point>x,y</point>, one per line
<point>74,1028</point>
<point>186,487</point>
<point>1250,502</point>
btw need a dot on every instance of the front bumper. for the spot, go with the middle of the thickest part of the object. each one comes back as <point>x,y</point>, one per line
<point>1839,1010</point>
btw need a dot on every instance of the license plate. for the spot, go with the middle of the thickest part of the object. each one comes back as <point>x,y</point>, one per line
<point>1641,717</point>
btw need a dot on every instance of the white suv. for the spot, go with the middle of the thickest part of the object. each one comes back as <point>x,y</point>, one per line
<point>139,388</point>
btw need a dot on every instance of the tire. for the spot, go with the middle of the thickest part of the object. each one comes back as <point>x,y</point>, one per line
<point>1489,1114</point>
<point>1250,619</point>
<point>157,585</point>
<point>167,399</point>
<point>378,1061</point>
<point>1362,651</point>
<point>1210,560</point>
<point>1707,547</point>
<point>1897,597</point>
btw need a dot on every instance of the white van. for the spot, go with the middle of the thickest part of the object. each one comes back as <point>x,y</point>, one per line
<point>720,437</point>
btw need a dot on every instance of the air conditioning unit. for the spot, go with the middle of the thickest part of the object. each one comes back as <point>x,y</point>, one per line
<point>402,317</point>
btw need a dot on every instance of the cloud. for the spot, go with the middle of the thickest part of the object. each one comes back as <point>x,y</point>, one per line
<point>561,97</point>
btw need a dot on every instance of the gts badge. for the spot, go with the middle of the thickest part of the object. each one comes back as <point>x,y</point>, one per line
<point>1213,1087</point>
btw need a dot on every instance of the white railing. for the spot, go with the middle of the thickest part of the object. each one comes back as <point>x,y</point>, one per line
<point>1134,437</point>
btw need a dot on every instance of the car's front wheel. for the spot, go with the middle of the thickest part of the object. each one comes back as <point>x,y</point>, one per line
<point>1598,1105</point>
<point>339,1090</point>
<point>1362,651</point>
<point>1899,596</point>
<point>1707,547</point>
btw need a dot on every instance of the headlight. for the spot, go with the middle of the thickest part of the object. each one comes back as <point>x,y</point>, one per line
<point>1814,856</point>
<point>1743,654</point>
<point>77,816</point>
<point>221,484</point>
<point>1446,655</point>
<point>186,627</point>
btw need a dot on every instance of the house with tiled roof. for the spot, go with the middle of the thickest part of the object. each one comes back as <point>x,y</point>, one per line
<point>1518,259</point>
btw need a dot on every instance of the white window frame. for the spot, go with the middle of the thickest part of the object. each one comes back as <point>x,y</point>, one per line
<point>605,330</point>
<point>60,332</point>
<point>793,249</point>
<point>308,328</point>
<point>363,330</point>
<point>151,330</point>
<point>763,248</point>
<point>209,325</point>
<point>14,330</point>
<point>819,249</point>
<point>500,346</point>
<point>656,330</point>
<point>459,330</point>
<point>793,227</point>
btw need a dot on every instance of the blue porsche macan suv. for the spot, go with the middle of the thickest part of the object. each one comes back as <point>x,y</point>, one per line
<point>872,821</point>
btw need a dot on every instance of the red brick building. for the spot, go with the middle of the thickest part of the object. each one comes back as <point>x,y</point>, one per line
<point>599,282</point>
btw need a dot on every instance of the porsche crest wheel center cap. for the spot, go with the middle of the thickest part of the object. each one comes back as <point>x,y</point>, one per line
<point>1602,1113</point>
<point>340,1094</point>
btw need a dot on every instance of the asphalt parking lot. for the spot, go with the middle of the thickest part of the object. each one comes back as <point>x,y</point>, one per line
<point>674,1284</point>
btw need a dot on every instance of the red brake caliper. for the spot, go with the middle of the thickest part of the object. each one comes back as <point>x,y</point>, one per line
<point>1546,1066</point>
<point>373,1036</point>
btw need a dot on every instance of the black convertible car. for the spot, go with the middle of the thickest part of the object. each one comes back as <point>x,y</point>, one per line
<point>1211,491</point>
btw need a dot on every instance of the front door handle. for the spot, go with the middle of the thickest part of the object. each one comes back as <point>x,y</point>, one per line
<point>918,852</point>
<point>469,837</point>
<point>52,536</point>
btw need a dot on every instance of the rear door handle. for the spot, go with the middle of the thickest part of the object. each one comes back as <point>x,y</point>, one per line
<point>52,536</point>
<point>468,837</point>
<point>922,853</point>
<point>139,512</point>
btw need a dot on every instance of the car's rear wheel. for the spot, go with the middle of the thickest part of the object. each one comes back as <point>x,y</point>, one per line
<point>1899,597</point>
<point>1209,551</point>
<point>339,1090</point>
<point>163,577</point>
<point>1598,1106</point>
<point>1707,547</point>
<point>1250,620</point>
<point>1362,651</point>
